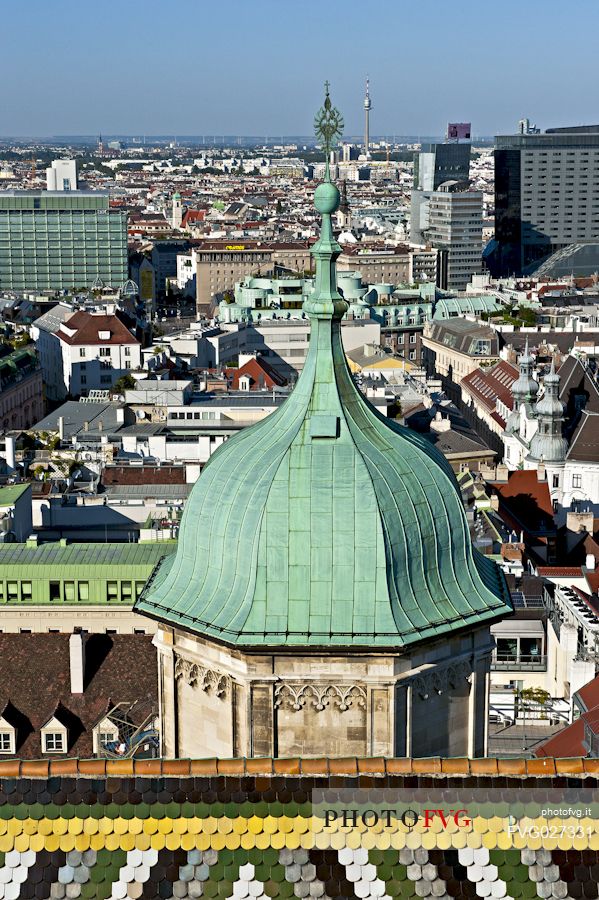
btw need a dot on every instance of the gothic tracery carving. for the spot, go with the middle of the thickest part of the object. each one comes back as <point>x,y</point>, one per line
<point>440,679</point>
<point>208,680</point>
<point>319,696</point>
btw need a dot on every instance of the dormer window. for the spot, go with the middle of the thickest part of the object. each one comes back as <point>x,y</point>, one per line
<point>54,735</point>
<point>104,335</point>
<point>8,730</point>
<point>54,742</point>
<point>105,736</point>
<point>7,738</point>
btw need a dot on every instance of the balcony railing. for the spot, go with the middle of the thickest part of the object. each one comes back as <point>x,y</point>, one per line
<point>521,661</point>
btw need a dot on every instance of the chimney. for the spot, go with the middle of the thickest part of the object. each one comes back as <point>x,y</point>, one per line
<point>77,661</point>
<point>61,427</point>
<point>10,445</point>
<point>541,472</point>
<point>590,562</point>
<point>86,426</point>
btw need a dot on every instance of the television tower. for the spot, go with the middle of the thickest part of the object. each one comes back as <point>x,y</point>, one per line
<point>367,108</point>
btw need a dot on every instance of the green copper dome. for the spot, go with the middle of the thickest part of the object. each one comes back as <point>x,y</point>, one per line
<point>325,523</point>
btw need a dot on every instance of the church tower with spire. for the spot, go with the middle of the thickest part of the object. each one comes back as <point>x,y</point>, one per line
<point>548,445</point>
<point>521,423</point>
<point>343,214</point>
<point>325,598</point>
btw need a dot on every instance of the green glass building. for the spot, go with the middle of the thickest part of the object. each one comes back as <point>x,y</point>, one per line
<point>60,240</point>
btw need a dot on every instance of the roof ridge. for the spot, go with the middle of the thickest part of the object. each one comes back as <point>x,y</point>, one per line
<point>350,766</point>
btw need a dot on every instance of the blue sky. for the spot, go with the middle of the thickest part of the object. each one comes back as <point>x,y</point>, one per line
<point>257,66</point>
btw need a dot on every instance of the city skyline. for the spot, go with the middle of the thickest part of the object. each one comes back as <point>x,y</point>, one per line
<point>240,76</point>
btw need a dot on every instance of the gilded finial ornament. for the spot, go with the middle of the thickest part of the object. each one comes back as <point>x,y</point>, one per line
<point>328,124</point>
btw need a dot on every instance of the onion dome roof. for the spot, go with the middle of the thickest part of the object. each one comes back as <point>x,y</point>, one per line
<point>325,524</point>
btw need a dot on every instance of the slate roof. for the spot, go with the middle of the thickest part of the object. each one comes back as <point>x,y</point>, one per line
<point>585,443</point>
<point>118,668</point>
<point>76,413</point>
<point>461,335</point>
<point>50,321</point>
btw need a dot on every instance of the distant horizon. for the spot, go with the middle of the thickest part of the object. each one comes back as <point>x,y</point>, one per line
<point>208,140</point>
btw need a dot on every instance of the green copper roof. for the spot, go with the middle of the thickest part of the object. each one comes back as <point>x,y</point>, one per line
<point>325,523</point>
<point>10,493</point>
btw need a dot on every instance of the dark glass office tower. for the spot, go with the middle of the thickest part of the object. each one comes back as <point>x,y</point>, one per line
<point>437,163</point>
<point>546,196</point>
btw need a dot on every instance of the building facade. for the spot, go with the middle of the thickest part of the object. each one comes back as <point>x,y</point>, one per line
<point>455,230</point>
<point>60,587</point>
<point>21,389</point>
<point>220,264</point>
<point>63,240</point>
<point>455,348</point>
<point>437,163</point>
<point>81,351</point>
<point>546,195</point>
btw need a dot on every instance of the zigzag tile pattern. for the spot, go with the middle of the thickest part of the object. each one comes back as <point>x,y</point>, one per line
<point>254,837</point>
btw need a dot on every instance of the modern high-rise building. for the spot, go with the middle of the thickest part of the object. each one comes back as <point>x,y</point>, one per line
<point>60,240</point>
<point>434,165</point>
<point>455,229</point>
<point>546,195</point>
<point>62,175</point>
<point>437,163</point>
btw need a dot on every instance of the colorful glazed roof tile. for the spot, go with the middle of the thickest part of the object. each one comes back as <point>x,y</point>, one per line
<point>326,523</point>
<point>178,829</point>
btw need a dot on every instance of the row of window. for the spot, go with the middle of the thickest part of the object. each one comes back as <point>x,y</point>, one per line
<point>70,591</point>
<point>193,415</point>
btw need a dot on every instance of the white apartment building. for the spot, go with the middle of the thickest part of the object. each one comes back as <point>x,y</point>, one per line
<point>186,273</point>
<point>81,351</point>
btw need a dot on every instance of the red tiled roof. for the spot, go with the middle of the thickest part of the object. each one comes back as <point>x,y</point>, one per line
<point>87,329</point>
<point>194,215</point>
<point>261,374</point>
<point>525,501</point>
<point>487,386</point>
<point>144,475</point>
<point>560,571</point>
<point>567,742</point>
<point>547,288</point>
<point>589,693</point>
<point>592,578</point>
